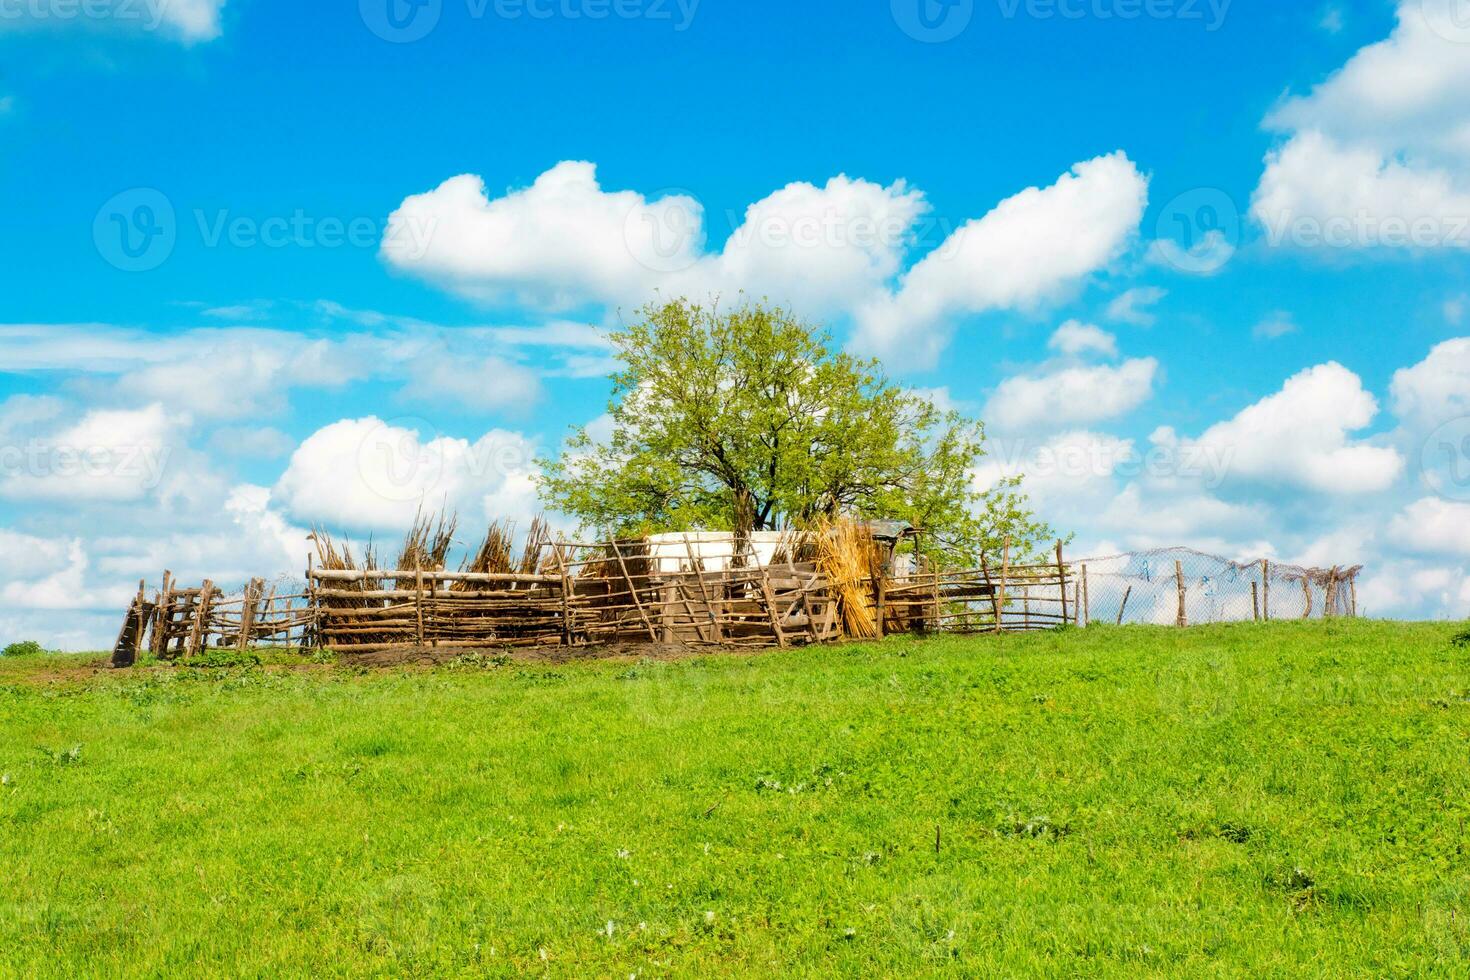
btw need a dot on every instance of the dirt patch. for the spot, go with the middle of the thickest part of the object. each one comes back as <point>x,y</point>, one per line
<point>429,656</point>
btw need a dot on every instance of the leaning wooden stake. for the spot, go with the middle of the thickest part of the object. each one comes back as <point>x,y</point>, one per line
<point>247,612</point>
<point>1124,607</point>
<point>1182,619</point>
<point>637,602</point>
<point>418,606</point>
<point>568,623</point>
<point>695,567</point>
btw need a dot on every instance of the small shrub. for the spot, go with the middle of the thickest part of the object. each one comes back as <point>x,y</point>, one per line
<point>25,648</point>
<point>224,657</point>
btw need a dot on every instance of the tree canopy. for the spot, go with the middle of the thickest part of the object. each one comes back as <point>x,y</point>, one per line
<point>746,419</point>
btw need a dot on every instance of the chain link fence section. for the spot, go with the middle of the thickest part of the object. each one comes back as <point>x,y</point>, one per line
<point>1181,586</point>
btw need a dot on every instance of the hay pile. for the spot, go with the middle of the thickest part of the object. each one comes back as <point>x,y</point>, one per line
<point>851,561</point>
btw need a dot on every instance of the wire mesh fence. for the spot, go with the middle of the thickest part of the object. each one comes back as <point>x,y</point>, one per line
<point>1180,586</point>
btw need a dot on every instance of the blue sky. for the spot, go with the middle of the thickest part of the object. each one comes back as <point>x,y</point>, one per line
<point>1202,267</point>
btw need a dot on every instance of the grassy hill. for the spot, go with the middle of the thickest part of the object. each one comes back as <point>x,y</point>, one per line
<point>1219,800</point>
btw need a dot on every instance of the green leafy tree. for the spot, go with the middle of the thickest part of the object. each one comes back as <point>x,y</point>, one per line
<point>745,419</point>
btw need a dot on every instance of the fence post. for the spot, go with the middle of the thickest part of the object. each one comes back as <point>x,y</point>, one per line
<point>1124,607</point>
<point>199,634</point>
<point>568,626</point>
<point>1329,604</point>
<point>1005,570</point>
<point>1255,602</point>
<point>1086,600</point>
<point>1353,595</point>
<point>418,606</point>
<point>633,591</point>
<point>247,614</point>
<point>1266,589</point>
<point>163,615</point>
<point>1062,573</point>
<point>1182,619</point>
<point>1307,595</point>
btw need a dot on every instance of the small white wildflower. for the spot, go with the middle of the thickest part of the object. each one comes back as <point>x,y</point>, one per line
<point>608,928</point>
<point>622,854</point>
<point>5,780</point>
<point>849,933</point>
<point>543,954</point>
<point>643,927</point>
<point>709,918</point>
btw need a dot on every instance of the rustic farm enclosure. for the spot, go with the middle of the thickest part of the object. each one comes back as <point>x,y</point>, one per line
<point>701,589</point>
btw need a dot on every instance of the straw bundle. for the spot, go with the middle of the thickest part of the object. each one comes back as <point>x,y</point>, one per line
<point>427,543</point>
<point>848,558</point>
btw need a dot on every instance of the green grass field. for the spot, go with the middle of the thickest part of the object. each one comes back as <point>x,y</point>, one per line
<point>1223,800</point>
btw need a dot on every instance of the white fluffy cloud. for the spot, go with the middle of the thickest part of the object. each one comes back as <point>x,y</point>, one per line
<point>1029,249</point>
<point>367,474</point>
<point>118,455</point>
<point>1437,389</point>
<point>1132,305</point>
<point>1300,436</point>
<point>829,250</point>
<point>1379,153</point>
<point>1432,525</point>
<point>565,241</point>
<point>1070,395</point>
<point>1075,339</point>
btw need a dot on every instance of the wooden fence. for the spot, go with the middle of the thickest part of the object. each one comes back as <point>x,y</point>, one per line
<point>635,592</point>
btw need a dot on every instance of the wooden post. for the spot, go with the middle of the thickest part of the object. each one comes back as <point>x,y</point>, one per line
<point>994,601</point>
<point>1062,573</point>
<point>199,633</point>
<point>881,587</point>
<point>1182,619</point>
<point>143,617</point>
<point>162,616</point>
<point>1306,596</point>
<point>1329,605</point>
<point>1265,590</point>
<point>1255,602</point>
<point>1005,571</point>
<point>938,623</point>
<point>1086,600</point>
<point>770,598</point>
<point>568,622</point>
<point>1353,595</point>
<point>418,606</point>
<point>253,588</point>
<point>1124,607</point>
<point>637,602</point>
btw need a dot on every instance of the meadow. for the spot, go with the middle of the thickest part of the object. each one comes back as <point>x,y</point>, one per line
<point>1263,799</point>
